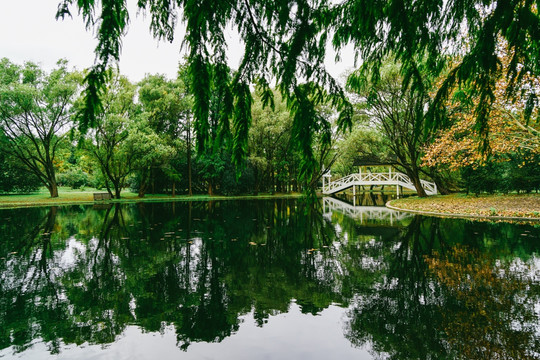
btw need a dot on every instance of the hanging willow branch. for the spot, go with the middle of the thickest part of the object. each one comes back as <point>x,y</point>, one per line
<point>286,40</point>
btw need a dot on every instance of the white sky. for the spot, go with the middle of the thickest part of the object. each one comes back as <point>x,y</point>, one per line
<point>29,32</point>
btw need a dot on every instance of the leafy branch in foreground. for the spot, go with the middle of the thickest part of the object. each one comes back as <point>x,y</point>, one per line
<point>424,37</point>
<point>277,46</point>
<point>286,41</point>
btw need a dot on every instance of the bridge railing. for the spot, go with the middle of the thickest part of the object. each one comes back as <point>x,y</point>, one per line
<point>429,187</point>
<point>360,179</point>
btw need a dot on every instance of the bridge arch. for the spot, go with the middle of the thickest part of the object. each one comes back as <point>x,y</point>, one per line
<point>374,179</point>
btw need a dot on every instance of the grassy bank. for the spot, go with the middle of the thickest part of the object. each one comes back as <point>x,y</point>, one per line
<point>510,206</point>
<point>69,196</point>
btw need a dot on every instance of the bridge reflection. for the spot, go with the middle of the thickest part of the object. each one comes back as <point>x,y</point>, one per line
<point>363,213</point>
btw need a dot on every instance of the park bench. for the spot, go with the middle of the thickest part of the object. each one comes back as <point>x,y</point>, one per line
<point>102,196</point>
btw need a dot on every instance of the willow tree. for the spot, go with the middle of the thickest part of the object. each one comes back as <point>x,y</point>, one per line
<point>286,40</point>
<point>422,36</point>
<point>283,42</point>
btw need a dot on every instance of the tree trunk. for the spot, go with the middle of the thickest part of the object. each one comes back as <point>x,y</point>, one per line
<point>418,185</point>
<point>257,181</point>
<point>153,176</point>
<point>173,189</point>
<point>109,190</point>
<point>210,189</point>
<point>414,174</point>
<point>52,185</point>
<point>190,192</point>
<point>53,188</point>
<point>117,190</point>
<point>142,191</point>
<point>272,181</point>
<point>442,187</point>
<point>143,187</point>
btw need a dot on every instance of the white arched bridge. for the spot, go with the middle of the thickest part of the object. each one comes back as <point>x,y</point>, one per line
<point>374,179</point>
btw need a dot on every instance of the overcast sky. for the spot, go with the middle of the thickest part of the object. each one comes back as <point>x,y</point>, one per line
<point>30,32</point>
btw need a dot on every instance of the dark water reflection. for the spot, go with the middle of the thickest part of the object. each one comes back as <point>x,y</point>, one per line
<point>365,198</point>
<point>265,279</point>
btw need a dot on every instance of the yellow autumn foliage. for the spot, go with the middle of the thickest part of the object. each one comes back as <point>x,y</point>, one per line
<point>460,145</point>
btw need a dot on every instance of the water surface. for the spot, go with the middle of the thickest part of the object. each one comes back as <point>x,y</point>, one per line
<point>272,279</point>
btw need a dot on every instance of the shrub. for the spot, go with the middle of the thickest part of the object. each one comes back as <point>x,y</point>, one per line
<point>73,178</point>
<point>14,179</point>
<point>519,174</point>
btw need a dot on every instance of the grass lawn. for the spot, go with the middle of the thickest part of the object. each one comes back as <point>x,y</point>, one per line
<point>77,196</point>
<point>512,205</point>
<point>66,195</point>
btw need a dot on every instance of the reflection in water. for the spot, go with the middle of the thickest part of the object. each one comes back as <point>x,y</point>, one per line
<point>428,296</point>
<point>411,287</point>
<point>366,198</point>
<point>492,302</point>
<point>364,213</point>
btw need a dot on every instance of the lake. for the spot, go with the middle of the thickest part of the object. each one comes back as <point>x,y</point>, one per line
<point>265,279</point>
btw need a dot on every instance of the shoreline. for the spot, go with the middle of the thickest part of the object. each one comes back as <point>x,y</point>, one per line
<point>130,200</point>
<point>525,207</point>
<point>431,206</point>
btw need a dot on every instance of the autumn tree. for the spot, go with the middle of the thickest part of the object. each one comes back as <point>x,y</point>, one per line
<point>35,115</point>
<point>461,143</point>
<point>510,134</point>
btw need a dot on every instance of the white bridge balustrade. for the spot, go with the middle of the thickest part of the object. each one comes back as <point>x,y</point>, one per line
<point>374,179</point>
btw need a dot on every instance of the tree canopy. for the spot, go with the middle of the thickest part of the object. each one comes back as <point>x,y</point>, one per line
<point>35,113</point>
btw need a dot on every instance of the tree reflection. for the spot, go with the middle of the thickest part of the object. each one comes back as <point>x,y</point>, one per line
<point>439,299</point>
<point>398,315</point>
<point>76,274</point>
<point>492,305</point>
<point>29,285</point>
<point>199,270</point>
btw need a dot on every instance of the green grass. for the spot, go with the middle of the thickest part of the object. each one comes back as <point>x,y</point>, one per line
<point>69,196</point>
<point>42,197</point>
